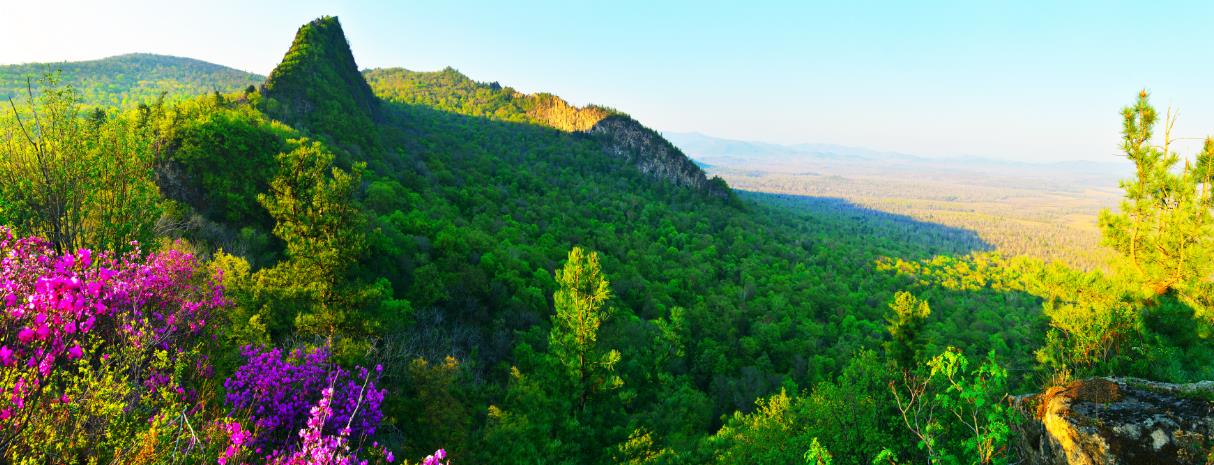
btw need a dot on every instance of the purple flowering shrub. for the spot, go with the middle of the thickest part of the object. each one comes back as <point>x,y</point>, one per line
<point>280,394</point>
<point>90,342</point>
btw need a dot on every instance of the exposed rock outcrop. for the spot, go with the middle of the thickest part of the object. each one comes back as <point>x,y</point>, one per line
<point>623,137</point>
<point>1109,421</point>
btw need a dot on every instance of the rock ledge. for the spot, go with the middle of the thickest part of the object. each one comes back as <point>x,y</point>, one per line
<point>1101,421</point>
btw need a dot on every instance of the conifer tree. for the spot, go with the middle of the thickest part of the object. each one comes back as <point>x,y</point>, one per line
<point>1163,231</point>
<point>311,202</point>
<point>581,306</point>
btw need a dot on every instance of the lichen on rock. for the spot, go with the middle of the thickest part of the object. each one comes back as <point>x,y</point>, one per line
<point>1105,421</point>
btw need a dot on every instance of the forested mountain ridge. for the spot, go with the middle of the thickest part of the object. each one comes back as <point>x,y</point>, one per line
<point>516,292</point>
<point>130,79</point>
<point>619,134</point>
<point>450,90</point>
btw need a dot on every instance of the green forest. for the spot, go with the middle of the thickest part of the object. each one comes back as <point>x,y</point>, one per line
<point>127,80</point>
<point>341,266</point>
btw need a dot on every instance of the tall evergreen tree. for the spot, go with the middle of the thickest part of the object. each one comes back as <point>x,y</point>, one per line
<point>581,306</point>
<point>1163,231</point>
<point>311,202</point>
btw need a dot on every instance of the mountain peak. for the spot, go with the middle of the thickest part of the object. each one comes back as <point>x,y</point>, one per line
<point>319,88</point>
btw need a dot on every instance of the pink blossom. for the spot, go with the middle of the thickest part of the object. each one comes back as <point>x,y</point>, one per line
<point>6,356</point>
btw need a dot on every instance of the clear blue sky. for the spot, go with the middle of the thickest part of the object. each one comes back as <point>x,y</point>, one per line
<point>1019,80</point>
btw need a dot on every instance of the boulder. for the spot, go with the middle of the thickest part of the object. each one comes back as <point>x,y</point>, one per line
<point>1126,421</point>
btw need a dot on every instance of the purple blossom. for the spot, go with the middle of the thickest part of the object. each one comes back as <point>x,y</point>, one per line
<point>278,391</point>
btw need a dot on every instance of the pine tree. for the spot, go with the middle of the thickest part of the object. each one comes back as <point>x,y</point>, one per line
<point>1163,231</point>
<point>581,306</point>
<point>311,202</point>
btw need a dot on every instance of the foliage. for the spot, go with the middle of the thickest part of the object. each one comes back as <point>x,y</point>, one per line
<point>232,150</point>
<point>957,414</point>
<point>312,292</point>
<point>433,398</point>
<point>77,181</point>
<point>1164,232</point>
<point>581,306</point>
<point>818,455</point>
<point>853,414</point>
<point>311,204</point>
<point>905,322</point>
<point>575,373</point>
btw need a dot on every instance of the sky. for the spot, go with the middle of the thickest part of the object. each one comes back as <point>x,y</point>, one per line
<point>1023,80</point>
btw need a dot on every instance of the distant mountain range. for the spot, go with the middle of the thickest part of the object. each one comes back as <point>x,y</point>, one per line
<point>130,78</point>
<point>708,147</point>
<point>720,152</point>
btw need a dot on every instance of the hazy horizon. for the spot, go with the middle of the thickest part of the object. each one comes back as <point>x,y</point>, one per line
<point>1029,82</point>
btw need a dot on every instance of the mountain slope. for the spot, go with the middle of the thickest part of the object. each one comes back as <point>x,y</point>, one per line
<point>131,78</point>
<point>620,135</point>
<point>473,195</point>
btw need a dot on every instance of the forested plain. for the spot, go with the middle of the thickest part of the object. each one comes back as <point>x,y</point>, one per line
<point>335,266</point>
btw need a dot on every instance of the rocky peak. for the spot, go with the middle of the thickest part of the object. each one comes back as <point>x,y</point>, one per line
<point>1106,421</point>
<point>318,86</point>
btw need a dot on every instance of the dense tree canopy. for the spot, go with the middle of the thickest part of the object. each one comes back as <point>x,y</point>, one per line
<point>519,295</point>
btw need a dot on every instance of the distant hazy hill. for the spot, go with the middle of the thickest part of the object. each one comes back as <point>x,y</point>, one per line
<point>762,155</point>
<point>130,78</point>
<point>1047,210</point>
<point>715,150</point>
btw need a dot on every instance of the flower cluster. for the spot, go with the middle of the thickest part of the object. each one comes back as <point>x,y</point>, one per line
<point>57,309</point>
<point>436,458</point>
<point>317,448</point>
<point>278,395</point>
<point>88,341</point>
<point>238,437</point>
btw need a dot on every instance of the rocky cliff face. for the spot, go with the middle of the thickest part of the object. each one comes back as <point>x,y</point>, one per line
<point>1104,421</point>
<point>623,137</point>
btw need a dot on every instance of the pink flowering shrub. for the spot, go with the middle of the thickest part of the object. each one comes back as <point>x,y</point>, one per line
<point>94,348</point>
